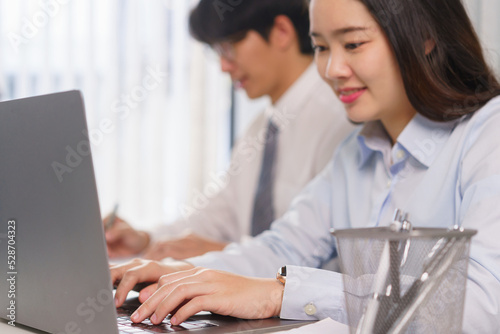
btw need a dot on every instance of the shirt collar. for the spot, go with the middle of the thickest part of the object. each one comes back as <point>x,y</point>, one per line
<point>372,138</point>
<point>422,138</point>
<point>297,93</point>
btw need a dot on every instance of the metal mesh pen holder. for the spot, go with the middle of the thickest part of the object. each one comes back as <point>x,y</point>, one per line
<point>403,280</point>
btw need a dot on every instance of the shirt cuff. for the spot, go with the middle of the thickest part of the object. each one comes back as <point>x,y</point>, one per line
<point>313,294</point>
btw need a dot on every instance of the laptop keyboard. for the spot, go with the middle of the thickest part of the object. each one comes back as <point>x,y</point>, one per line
<point>125,325</point>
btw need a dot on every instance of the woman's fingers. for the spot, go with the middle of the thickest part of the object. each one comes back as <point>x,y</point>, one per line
<point>186,293</point>
<point>167,299</point>
<point>193,306</point>
<point>147,292</point>
<point>134,272</point>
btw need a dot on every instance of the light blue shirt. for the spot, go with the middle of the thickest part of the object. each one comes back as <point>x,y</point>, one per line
<point>441,173</point>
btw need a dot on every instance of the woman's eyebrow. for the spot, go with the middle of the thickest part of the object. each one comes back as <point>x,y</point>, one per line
<point>340,31</point>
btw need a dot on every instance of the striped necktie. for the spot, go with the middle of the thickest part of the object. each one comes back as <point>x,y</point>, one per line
<point>263,210</point>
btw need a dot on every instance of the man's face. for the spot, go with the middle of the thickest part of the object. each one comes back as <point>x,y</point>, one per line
<point>252,64</point>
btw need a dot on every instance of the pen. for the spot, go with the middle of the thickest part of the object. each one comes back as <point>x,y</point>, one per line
<point>112,218</point>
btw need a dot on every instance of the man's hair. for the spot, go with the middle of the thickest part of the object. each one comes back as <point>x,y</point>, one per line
<point>213,21</point>
<point>453,79</point>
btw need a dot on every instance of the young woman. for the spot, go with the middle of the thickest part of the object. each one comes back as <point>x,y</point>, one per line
<point>415,75</point>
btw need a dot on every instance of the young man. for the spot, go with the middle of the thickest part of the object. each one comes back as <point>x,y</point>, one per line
<point>265,46</point>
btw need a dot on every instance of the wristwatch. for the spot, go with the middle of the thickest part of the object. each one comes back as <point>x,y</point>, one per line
<point>281,275</point>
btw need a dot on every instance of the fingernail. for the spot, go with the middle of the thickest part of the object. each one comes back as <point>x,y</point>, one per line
<point>173,321</point>
<point>116,302</point>
<point>153,318</point>
<point>135,316</point>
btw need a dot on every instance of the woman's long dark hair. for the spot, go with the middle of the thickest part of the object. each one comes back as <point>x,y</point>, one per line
<point>453,79</point>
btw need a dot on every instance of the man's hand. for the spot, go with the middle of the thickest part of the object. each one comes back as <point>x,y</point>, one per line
<point>141,271</point>
<point>183,248</point>
<point>123,240</point>
<point>186,293</point>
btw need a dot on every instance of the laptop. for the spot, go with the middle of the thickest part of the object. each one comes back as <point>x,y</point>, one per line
<point>51,232</point>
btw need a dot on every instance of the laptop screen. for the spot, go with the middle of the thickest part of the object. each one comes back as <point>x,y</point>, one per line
<point>47,187</point>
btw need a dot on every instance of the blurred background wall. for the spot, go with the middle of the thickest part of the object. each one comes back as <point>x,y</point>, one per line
<point>162,92</point>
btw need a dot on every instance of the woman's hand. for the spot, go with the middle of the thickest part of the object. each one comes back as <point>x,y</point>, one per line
<point>186,293</point>
<point>140,271</point>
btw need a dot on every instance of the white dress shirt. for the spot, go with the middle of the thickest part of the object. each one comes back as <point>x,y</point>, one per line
<point>311,122</point>
<point>440,173</point>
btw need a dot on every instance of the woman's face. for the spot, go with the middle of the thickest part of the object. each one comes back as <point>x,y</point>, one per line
<point>355,58</point>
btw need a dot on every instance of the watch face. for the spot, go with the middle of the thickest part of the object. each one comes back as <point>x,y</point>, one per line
<point>281,275</point>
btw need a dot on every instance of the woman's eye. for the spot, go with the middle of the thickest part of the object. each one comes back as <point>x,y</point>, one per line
<point>353,46</point>
<point>318,48</point>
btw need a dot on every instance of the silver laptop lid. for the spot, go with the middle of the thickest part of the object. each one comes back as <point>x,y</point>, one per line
<point>49,215</point>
